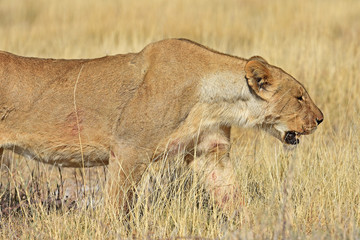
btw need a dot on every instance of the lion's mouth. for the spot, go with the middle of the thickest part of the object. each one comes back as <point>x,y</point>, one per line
<point>292,137</point>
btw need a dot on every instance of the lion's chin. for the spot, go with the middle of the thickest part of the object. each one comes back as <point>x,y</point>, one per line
<point>291,137</point>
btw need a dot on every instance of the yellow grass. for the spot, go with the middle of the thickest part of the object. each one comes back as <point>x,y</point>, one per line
<point>312,192</point>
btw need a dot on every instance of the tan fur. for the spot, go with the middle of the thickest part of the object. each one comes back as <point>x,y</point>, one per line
<point>126,110</point>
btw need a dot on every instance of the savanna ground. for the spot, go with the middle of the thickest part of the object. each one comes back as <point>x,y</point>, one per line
<point>312,192</point>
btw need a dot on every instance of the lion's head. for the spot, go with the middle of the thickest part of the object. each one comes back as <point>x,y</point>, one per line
<point>290,112</point>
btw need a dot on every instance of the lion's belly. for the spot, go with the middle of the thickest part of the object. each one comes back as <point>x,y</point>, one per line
<point>61,153</point>
<point>69,140</point>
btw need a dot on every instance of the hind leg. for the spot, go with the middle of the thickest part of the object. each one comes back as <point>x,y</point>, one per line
<point>1,156</point>
<point>5,158</point>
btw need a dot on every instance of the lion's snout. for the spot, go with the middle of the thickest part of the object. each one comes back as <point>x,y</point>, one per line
<point>318,116</point>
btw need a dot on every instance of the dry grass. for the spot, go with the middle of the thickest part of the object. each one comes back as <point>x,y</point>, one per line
<point>312,192</point>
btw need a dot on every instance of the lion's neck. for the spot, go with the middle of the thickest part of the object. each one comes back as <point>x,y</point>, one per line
<point>225,99</point>
<point>224,86</point>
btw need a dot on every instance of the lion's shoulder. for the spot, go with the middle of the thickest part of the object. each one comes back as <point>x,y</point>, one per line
<point>185,46</point>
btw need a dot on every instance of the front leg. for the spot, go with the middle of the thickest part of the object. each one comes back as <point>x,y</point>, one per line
<point>213,162</point>
<point>126,167</point>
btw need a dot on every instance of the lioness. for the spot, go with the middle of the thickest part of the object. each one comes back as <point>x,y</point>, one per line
<point>175,96</point>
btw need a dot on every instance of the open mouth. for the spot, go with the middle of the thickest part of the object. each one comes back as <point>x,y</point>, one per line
<point>292,137</point>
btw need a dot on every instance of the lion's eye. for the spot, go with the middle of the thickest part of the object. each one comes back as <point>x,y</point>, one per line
<point>300,98</point>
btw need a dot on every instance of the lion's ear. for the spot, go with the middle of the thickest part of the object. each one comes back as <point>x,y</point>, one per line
<point>257,75</point>
<point>258,58</point>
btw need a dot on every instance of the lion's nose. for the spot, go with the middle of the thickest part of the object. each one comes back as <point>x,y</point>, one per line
<point>319,120</point>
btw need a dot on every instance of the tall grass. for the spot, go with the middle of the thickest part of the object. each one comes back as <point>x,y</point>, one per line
<point>311,192</point>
